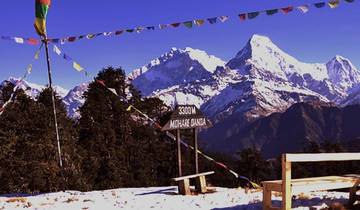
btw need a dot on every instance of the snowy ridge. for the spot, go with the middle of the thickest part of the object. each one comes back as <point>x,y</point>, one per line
<point>74,100</point>
<point>32,89</point>
<point>267,80</point>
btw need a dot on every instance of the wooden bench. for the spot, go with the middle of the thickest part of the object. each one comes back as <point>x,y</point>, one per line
<point>288,186</point>
<point>200,184</point>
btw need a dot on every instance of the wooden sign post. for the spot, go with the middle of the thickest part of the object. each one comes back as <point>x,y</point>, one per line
<point>187,117</point>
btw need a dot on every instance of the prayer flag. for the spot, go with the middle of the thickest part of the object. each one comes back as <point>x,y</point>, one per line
<point>199,22</point>
<point>66,57</point>
<point>119,32</point>
<point>55,40</point>
<point>272,11</point>
<point>107,33</point>
<point>129,108</point>
<point>188,24</point>
<point>41,10</point>
<point>72,39</point>
<point>319,5</point>
<point>286,10</point>
<point>90,36</point>
<point>37,55</point>
<point>212,20</point>
<point>77,67</point>
<point>175,25</point>
<point>223,18</point>
<point>150,28</point>
<point>242,17</point>
<point>253,15</point>
<point>139,29</point>
<point>334,3</point>
<point>163,26</point>
<point>57,50</point>
<point>303,8</point>
<point>19,40</point>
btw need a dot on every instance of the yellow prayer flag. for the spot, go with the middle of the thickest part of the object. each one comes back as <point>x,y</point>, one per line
<point>77,67</point>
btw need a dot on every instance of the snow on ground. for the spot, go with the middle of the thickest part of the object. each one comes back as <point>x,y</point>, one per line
<point>161,198</point>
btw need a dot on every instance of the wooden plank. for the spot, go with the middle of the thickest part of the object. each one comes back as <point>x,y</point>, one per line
<point>179,151</point>
<point>286,183</point>
<point>315,183</point>
<point>353,197</point>
<point>266,198</point>
<point>184,187</point>
<point>196,157</point>
<point>200,184</point>
<point>193,176</point>
<point>320,157</point>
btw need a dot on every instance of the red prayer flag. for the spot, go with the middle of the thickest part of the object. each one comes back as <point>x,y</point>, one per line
<point>242,17</point>
<point>286,10</point>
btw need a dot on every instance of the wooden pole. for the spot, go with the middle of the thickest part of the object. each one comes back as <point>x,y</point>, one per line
<point>286,183</point>
<point>196,157</point>
<point>55,115</point>
<point>179,151</point>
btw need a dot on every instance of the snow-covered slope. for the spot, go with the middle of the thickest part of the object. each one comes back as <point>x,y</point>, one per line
<point>32,89</point>
<point>164,198</point>
<point>262,79</point>
<point>74,100</point>
<point>176,67</point>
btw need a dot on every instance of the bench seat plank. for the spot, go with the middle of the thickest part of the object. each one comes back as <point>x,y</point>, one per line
<point>315,183</point>
<point>192,176</point>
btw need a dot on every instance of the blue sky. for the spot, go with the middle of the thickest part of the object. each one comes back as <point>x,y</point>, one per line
<point>313,37</point>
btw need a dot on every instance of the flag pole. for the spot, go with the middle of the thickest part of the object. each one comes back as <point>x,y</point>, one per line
<point>46,42</point>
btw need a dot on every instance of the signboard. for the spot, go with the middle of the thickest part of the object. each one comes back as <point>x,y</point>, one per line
<point>186,117</point>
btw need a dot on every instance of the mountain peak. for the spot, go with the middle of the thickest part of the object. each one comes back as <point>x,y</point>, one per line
<point>260,39</point>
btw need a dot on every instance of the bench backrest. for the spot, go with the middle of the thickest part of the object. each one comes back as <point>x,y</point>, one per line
<point>287,159</point>
<point>320,157</point>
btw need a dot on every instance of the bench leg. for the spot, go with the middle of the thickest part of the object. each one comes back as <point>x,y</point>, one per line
<point>266,198</point>
<point>184,187</point>
<point>353,197</point>
<point>200,184</point>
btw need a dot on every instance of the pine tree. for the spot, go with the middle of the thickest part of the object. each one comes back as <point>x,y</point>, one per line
<point>28,156</point>
<point>121,148</point>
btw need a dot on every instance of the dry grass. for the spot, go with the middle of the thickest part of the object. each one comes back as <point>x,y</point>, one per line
<point>16,200</point>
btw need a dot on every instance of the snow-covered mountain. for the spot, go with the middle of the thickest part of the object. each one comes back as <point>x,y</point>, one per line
<point>32,89</point>
<point>74,100</point>
<point>176,67</point>
<point>259,80</point>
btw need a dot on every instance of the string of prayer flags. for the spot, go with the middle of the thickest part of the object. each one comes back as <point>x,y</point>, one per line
<point>188,24</point>
<point>75,64</point>
<point>21,40</point>
<point>19,82</point>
